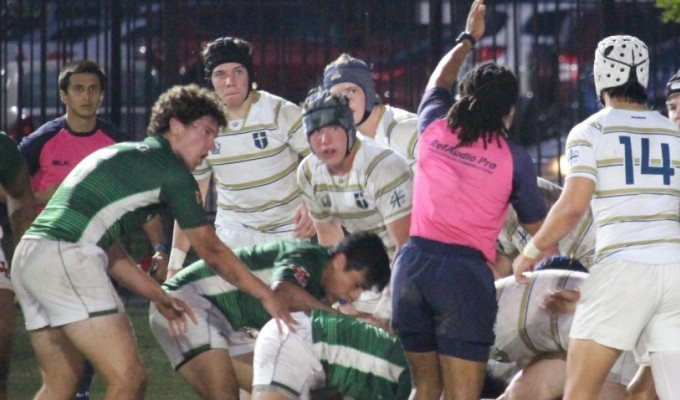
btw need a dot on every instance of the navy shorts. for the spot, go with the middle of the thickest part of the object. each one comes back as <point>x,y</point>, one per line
<point>443,300</point>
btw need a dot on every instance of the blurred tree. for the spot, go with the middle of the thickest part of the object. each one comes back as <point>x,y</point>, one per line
<point>671,10</point>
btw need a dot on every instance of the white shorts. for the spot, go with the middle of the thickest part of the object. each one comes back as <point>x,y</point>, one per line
<point>4,272</point>
<point>286,362</point>
<point>58,283</point>
<point>213,331</point>
<point>524,328</point>
<point>630,306</point>
<point>237,236</point>
<point>624,369</point>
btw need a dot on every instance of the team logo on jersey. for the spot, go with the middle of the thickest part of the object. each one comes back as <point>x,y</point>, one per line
<point>397,199</point>
<point>217,148</point>
<point>301,275</point>
<point>4,270</point>
<point>326,201</point>
<point>360,200</point>
<point>573,156</point>
<point>260,139</point>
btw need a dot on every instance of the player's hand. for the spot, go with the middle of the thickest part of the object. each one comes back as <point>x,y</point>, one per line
<point>520,266</point>
<point>159,266</point>
<point>475,19</point>
<point>304,226</point>
<point>277,308</point>
<point>561,301</point>
<point>176,312</point>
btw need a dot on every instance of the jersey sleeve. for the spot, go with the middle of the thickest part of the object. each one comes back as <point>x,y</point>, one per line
<point>580,153</point>
<point>391,182</point>
<point>289,120</point>
<point>304,179</point>
<point>31,146</point>
<point>10,160</point>
<point>181,193</point>
<point>526,198</point>
<point>434,105</point>
<point>402,136</point>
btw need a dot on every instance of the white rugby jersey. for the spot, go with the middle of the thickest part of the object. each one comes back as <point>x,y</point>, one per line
<point>632,156</point>
<point>254,163</point>
<point>377,190</point>
<point>578,244</point>
<point>397,129</point>
<point>524,328</point>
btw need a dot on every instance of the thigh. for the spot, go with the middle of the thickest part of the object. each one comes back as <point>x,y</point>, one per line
<point>211,374</point>
<point>542,379</point>
<point>108,342</point>
<point>463,379</point>
<point>60,362</point>
<point>588,364</point>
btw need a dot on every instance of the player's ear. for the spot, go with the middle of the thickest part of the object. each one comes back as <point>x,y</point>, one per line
<point>340,261</point>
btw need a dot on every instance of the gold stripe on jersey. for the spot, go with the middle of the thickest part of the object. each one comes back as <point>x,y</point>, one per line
<point>290,169</point>
<point>638,218</point>
<point>639,130</point>
<point>583,229</point>
<point>634,192</point>
<point>375,161</point>
<point>248,156</point>
<point>613,162</point>
<point>618,246</point>
<point>523,317</point>
<point>261,207</point>
<point>576,143</point>
<point>554,320</point>
<point>395,183</point>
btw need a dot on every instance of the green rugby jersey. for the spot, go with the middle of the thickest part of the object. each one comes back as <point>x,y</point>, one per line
<point>360,360</point>
<point>117,189</point>
<point>294,261</point>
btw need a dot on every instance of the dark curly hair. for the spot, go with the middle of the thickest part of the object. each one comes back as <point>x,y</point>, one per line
<point>187,104</point>
<point>365,251</point>
<point>487,94</point>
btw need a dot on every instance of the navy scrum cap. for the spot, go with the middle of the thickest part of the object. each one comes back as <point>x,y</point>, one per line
<point>673,85</point>
<point>349,69</point>
<point>323,108</point>
<point>561,262</point>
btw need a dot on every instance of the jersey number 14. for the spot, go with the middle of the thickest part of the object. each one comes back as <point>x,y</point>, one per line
<point>665,170</point>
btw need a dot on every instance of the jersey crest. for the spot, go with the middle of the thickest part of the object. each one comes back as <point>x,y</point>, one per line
<point>217,148</point>
<point>301,275</point>
<point>326,201</point>
<point>360,200</point>
<point>260,139</point>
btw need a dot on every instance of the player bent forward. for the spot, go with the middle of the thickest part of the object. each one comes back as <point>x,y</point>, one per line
<point>215,356</point>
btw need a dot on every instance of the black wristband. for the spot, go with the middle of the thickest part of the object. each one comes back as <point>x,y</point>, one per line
<point>466,36</point>
<point>162,248</point>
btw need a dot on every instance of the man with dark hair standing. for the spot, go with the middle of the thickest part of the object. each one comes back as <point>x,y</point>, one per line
<point>55,148</point>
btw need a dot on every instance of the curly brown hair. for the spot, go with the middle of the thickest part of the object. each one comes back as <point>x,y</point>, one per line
<point>186,103</point>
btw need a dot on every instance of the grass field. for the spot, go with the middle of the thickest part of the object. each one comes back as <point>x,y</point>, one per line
<point>163,382</point>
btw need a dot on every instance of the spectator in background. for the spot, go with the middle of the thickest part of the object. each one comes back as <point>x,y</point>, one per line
<point>391,127</point>
<point>76,239</point>
<point>15,185</point>
<point>255,157</point>
<point>55,148</point>
<point>622,164</point>
<point>469,171</point>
